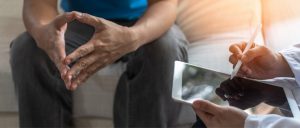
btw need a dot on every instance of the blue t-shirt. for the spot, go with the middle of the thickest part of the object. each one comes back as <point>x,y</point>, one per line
<point>108,9</point>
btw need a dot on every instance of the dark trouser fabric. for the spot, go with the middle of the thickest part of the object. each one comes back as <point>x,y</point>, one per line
<point>143,95</point>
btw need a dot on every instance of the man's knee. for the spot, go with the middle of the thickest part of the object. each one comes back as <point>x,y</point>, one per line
<point>23,51</point>
<point>21,46</point>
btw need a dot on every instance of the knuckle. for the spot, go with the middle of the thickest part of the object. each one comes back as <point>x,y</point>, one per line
<point>83,51</point>
<point>69,59</point>
<point>84,14</point>
<point>78,82</point>
<point>82,64</point>
<point>97,44</point>
<point>100,20</point>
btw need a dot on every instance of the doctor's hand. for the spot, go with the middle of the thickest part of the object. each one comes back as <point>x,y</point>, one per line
<point>215,116</point>
<point>109,43</point>
<point>259,62</point>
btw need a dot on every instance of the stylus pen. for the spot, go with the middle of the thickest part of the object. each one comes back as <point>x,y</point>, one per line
<point>248,46</point>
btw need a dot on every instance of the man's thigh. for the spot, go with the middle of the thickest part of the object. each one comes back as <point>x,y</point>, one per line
<point>145,87</point>
<point>38,81</point>
<point>77,34</point>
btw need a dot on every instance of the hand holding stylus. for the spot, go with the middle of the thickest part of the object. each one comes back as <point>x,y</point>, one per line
<point>259,62</point>
<point>249,44</point>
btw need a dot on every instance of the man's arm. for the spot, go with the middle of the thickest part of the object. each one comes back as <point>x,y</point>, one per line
<point>37,13</point>
<point>42,21</point>
<point>158,18</point>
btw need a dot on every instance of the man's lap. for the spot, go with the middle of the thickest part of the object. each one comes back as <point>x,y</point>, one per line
<point>159,52</point>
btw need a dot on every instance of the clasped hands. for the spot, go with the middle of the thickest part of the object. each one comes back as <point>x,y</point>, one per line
<point>109,42</point>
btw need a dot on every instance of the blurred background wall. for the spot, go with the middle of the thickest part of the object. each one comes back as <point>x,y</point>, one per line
<point>10,26</point>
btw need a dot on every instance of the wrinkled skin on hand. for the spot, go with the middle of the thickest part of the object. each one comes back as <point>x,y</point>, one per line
<point>50,38</point>
<point>109,42</point>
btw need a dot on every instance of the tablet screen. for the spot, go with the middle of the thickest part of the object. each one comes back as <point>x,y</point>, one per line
<point>201,84</point>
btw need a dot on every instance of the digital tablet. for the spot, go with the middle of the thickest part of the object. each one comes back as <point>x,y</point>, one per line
<point>192,83</point>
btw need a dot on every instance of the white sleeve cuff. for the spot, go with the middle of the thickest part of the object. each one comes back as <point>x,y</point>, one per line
<point>252,121</point>
<point>270,121</point>
<point>293,59</point>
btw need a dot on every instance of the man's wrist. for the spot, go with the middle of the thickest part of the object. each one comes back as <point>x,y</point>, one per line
<point>135,37</point>
<point>35,30</point>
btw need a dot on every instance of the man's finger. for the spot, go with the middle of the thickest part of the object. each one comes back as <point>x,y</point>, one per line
<point>64,18</point>
<point>253,53</point>
<point>85,64</point>
<point>79,52</point>
<point>105,60</point>
<point>60,51</point>
<point>82,64</point>
<point>89,19</point>
<point>82,77</point>
<point>57,55</point>
<point>87,72</point>
<point>97,66</point>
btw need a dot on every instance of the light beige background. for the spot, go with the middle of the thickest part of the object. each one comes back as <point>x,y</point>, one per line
<point>10,26</point>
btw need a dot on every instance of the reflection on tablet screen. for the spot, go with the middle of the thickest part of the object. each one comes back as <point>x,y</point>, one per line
<point>201,84</point>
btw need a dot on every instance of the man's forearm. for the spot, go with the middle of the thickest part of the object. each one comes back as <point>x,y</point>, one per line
<point>38,12</point>
<point>157,19</point>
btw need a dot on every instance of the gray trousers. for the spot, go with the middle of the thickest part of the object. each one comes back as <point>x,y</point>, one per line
<point>143,95</point>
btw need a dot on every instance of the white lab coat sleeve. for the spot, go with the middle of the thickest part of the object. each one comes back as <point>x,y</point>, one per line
<point>292,56</point>
<point>270,121</point>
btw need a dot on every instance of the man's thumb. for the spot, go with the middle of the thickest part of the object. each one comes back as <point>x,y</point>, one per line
<point>64,18</point>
